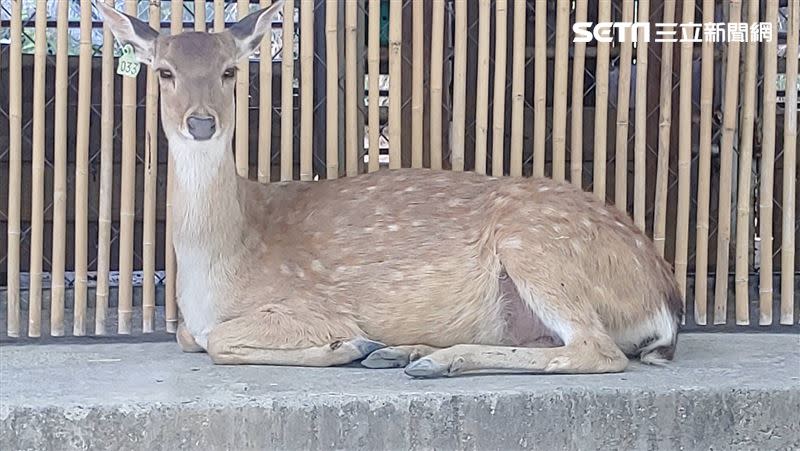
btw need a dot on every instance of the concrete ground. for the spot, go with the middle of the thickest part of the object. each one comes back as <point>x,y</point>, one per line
<point>723,391</point>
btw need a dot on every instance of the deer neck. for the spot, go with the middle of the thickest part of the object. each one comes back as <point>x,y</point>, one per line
<point>206,204</point>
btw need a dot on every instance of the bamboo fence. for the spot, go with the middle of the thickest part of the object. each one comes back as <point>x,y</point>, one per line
<point>489,86</point>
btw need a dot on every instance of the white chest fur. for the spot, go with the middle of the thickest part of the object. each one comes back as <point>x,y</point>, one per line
<point>195,279</point>
<point>196,291</point>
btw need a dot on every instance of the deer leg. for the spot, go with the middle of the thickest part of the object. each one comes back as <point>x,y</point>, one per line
<point>587,347</point>
<point>246,341</point>
<point>397,356</point>
<point>590,356</point>
<point>185,340</point>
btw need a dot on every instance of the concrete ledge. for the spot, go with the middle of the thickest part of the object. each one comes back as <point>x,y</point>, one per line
<point>723,392</point>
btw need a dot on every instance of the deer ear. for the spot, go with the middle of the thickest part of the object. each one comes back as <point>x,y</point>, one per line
<point>249,31</point>
<point>130,30</point>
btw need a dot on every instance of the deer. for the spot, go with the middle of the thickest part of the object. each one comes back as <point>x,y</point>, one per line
<point>442,273</point>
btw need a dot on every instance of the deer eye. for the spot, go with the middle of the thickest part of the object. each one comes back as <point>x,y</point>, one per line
<point>229,73</point>
<point>165,74</point>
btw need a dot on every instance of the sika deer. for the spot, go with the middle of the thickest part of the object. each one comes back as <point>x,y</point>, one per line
<point>444,273</point>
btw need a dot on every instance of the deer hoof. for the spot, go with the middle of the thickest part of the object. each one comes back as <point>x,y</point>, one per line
<point>365,346</point>
<point>386,358</point>
<point>426,368</point>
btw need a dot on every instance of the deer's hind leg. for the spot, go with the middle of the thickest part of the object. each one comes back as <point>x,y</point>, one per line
<point>587,346</point>
<point>271,338</point>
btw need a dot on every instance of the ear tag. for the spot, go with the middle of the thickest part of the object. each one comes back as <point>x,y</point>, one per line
<point>128,66</point>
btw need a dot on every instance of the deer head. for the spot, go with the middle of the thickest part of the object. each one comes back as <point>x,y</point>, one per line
<point>197,71</point>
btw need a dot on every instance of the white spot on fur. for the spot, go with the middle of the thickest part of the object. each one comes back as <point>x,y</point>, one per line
<point>417,223</point>
<point>393,227</point>
<point>543,188</point>
<point>513,243</point>
<point>410,189</point>
<point>285,269</point>
<point>317,266</point>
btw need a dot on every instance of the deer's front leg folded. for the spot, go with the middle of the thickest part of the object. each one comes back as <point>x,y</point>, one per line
<point>258,339</point>
<point>185,339</point>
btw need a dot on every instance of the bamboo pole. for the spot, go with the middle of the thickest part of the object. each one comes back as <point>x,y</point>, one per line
<point>517,89</point>
<point>437,62</point>
<point>742,270</point>
<point>176,26</point>
<point>171,267</point>
<point>219,15</point>
<point>361,78</point>
<point>623,107</point>
<point>601,108</point>
<point>482,86</point>
<point>417,100</point>
<point>726,166</point>
<point>60,175</point>
<point>684,154</point>
<point>265,105</point>
<point>373,66</point>
<point>242,134</point>
<point>664,127</point>
<point>332,82</point>
<point>560,77</point>
<point>704,172</point>
<point>351,87</point>
<point>171,307</point>
<point>766,185</point>
<point>82,171</point>
<point>539,86</point>
<point>150,184</point>
<point>307,87</point>
<point>576,132</point>
<point>106,180</point>
<point>287,93</point>
<point>126,211</point>
<point>14,169</point>
<point>37,188</point>
<point>395,82</point>
<point>459,87</point>
<point>789,168</point>
<point>499,108</point>
<point>199,15</point>
<point>640,121</point>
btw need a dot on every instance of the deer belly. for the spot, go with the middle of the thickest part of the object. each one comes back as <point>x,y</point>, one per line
<point>196,293</point>
<point>523,326</point>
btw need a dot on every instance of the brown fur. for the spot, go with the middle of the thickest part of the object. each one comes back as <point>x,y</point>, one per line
<point>503,274</point>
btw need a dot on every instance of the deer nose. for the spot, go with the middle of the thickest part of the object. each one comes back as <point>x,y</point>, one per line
<point>201,127</point>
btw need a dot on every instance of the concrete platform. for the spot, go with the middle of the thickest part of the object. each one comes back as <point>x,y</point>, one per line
<point>724,391</point>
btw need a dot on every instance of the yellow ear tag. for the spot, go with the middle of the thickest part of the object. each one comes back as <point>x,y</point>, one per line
<point>128,65</point>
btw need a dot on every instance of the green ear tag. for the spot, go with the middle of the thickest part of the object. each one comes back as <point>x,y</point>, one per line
<point>128,65</point>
